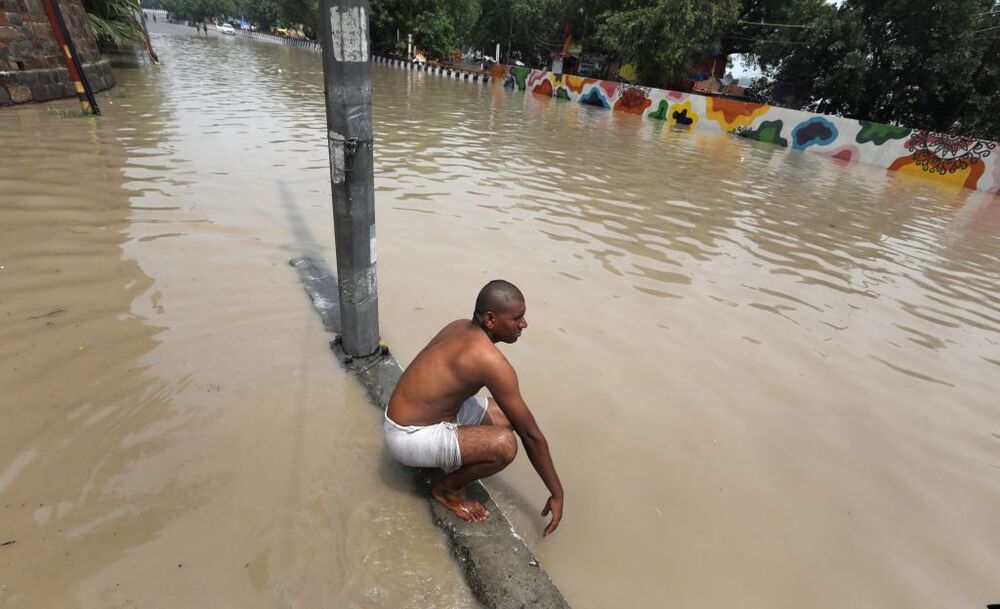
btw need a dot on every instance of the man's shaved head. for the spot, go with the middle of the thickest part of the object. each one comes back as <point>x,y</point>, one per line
<point>497,296</point>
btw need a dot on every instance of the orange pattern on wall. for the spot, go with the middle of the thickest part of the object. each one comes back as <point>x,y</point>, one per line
<point>544,88</point>
<point>732,114</point>
<point>633,101</point>
<point>953,174</point>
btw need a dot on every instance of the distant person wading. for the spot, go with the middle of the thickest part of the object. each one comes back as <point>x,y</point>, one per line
<point>435,418</point>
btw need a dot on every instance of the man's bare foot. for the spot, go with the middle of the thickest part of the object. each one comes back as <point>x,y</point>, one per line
<point>462,506</point>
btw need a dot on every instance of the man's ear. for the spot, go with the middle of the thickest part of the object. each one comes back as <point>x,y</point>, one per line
<point>489,320</point>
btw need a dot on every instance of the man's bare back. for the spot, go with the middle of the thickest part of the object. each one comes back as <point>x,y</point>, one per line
<point>443,375</point>
<point>432,415</point>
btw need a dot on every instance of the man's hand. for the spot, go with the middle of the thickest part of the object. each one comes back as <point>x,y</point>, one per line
<point>555,506</point>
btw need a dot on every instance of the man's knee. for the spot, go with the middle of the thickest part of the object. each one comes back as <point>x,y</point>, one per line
<point>506,446</point>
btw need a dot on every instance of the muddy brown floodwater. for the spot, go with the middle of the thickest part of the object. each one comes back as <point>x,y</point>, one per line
<point>768,380</point>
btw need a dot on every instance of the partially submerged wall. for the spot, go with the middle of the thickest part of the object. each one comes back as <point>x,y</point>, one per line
<point>953,160</point>
<point>32,68</point>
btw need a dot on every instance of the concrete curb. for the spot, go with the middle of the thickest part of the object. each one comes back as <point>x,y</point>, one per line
<point>500,569</point>
<point>454,73</point>
<point>305,45</point>
<point>315,47</point>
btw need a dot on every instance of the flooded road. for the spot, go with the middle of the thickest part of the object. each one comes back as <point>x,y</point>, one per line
<point>767,380</point>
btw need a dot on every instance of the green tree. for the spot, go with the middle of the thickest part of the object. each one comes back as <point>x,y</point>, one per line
<point>265,14</point>
<point>932,64</point>
<point>758,19</point>
<point>303,13</point>
<point>200,10</point>
<point>435,30</point>
<point>663,38</point>
<point>438,26</point>
<point>529,30</point>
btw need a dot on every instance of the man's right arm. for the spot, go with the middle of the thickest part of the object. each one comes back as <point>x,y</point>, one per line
<point>502,384</point>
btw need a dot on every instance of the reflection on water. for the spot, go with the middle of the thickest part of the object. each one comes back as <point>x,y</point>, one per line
<point>764,376</point>
<point>175,431</point>
<point>73,354</point>
<point>767,379</point>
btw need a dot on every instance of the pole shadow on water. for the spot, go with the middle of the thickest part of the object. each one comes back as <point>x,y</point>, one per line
<point>304,245</point>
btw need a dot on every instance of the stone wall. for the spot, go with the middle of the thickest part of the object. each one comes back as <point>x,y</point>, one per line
<point>31,66</point>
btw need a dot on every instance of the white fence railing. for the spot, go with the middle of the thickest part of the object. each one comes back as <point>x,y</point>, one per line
<point>305,45</point>
<point>315,47</point>
<point>439,70</point>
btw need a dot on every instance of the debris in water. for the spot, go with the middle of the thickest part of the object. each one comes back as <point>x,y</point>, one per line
<point>51,313</point>
<point>7,543</point>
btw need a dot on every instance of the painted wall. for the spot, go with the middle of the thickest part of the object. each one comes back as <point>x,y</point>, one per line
<point>953,160</point>
<point>31,65</point>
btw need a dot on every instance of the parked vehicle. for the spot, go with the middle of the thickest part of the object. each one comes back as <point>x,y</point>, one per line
<point>225,28</point>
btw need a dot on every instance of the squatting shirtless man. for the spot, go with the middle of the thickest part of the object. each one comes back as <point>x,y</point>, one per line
<point>435,418</point>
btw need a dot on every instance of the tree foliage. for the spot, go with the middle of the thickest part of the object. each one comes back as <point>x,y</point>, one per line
<point>266,14</point>
<point>301,12</point>
<point>200,10</point>
<point>932,64</point>
<point>664,38</point>
<point>742,35</point>
<point>439,26</point>
<point>114,22</point>
<point>528,30</point>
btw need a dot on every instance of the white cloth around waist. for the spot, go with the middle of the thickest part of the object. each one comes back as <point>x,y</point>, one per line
<point>433,445</point>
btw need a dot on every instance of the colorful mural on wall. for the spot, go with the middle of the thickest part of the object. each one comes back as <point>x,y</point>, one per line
<point>948,159</point>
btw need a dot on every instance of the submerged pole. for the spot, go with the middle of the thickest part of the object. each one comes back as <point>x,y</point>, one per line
<point>145,35</point>
<point>348,90</point>
<point>67,49</point>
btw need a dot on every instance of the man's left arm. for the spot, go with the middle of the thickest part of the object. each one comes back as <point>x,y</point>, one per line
<point>502,384</point>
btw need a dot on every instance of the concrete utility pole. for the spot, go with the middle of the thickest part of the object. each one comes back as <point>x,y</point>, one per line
<point>348,88</point>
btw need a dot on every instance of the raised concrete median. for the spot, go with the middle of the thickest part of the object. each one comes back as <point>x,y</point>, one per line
<point>500,569</point>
